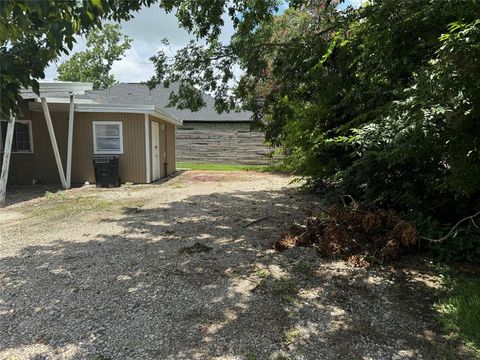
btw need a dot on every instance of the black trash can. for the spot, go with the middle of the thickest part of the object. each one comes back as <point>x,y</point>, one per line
<point>106,171</point>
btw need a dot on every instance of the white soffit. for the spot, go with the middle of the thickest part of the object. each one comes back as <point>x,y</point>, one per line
<point>73,87</point>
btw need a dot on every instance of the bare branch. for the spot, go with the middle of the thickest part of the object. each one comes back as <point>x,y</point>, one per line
<point>453,229</point>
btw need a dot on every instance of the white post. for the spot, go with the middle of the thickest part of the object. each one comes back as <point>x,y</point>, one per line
<point>148,149</point>
<point>7,150</point>
<point>48,119</point>
<point>70,141</point>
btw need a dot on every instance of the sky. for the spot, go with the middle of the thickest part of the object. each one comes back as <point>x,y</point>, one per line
<point>147,29</point>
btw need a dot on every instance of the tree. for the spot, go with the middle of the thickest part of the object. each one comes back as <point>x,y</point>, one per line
<point>379,102</point>
<point>104,46</point>
<point>34,33</point>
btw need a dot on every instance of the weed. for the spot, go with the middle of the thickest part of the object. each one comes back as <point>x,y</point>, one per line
<point>282,287</point>
<point>262,273</point>
<point>459,309</point>
<point>289,299</point>
<point>291,335</point>
<point>62,204</point>
<point>101,357</point>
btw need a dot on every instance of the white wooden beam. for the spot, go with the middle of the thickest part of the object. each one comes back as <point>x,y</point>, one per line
<point>70,141</point>
<point>7,150</point>
<point>48,119</point>
<point>148,150</point>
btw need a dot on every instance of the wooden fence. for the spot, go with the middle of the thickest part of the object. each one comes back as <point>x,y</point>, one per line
<point>233,147</point>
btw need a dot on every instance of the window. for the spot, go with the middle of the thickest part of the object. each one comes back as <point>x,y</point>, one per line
<point>22,136</point>
<point>108,137</point>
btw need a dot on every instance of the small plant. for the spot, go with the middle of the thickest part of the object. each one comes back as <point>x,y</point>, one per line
<point>262,273</point>
<point>284,289</point>
<point>291,335</point>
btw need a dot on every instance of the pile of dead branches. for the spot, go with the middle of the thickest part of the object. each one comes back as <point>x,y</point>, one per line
<point>353,233</point>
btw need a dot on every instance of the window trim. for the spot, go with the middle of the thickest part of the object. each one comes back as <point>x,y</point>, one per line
<point>30,133</point>
<point>107,152</point>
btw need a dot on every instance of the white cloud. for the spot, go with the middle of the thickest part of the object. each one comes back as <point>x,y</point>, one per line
<point>132,68</point>
<point>148,27</point>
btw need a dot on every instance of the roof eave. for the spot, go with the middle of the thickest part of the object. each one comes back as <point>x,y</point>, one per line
<point>128,108</point>
<point>73,87</point>
<point>170,118</point>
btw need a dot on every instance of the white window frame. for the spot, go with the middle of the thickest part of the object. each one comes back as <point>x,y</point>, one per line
<point>107,152</point>
<point>30,133</point>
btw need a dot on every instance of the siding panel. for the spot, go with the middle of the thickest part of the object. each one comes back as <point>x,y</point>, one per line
<point>131,162</point>
<point>167,146</point>
<point>41,164</point>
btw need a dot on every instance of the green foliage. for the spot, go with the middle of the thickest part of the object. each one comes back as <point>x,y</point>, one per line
<point>459,309</point>
<point>379,103</point>
<point>464,245</point>
<point>104,46</point>
<point>34,33</point>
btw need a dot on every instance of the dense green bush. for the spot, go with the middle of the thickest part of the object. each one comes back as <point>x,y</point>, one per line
<point>385,108</point>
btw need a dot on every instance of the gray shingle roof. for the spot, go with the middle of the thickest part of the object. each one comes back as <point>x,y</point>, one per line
<point>135,93</point>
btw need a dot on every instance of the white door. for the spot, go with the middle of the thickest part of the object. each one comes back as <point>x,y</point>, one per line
<point>155,151</point>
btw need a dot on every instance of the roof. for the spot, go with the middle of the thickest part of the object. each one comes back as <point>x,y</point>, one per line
<point>110,108</point>
<point>129,108</point>
<point>136,93</point>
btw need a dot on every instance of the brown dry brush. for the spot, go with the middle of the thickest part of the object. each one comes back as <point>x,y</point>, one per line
<point>353,233</point>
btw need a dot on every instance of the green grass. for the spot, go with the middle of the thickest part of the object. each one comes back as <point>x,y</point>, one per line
<point>54,206</point>
<point>263,273</point>
<point>225,167</point>
<point>61,204</point>
<point>459,309</point>
<point>291,336</point>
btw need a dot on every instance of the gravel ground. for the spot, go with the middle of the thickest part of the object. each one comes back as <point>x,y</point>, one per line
<point>111,274</point>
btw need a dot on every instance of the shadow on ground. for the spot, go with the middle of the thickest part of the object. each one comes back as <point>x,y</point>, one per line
<point>17,194</point>
<point>137,295</point>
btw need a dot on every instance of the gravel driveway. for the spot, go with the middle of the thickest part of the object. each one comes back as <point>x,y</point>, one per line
<point>184,270</point>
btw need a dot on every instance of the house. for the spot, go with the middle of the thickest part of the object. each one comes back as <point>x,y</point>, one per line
<point>205,134</point>
<point>48,149</point>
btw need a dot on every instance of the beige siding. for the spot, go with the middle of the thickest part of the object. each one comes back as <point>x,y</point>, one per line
<point>21,165</point>
<point>41,164</point>
<point>167,146</point>
<point>170,145</point>
<point>131,162</point>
